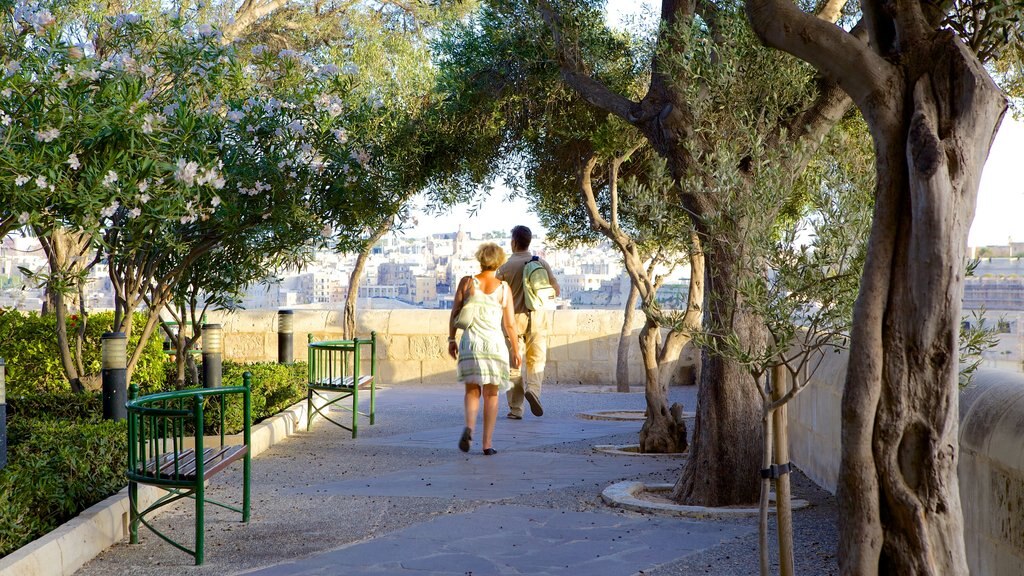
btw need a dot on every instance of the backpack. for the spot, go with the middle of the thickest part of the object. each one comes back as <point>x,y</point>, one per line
<point>538,292</point>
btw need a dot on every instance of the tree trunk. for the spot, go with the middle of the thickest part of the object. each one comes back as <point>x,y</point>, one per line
<point>664,431</point>
<point>723,467</point>
<point>898,491</point>
<point>349,314</point>
<point>625,339</point>
<point>65,254</point>
<point>70,370</point>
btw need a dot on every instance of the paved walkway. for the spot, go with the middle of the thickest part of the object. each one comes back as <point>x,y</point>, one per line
<point>401,499</point>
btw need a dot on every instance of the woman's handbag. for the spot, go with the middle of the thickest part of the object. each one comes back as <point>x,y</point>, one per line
<point>471,307</point>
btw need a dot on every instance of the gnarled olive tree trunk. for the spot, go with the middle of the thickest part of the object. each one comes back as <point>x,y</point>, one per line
<point>725,455</point>
<point>664,430</point>
<point>933,111</point>
<point>625,338</point>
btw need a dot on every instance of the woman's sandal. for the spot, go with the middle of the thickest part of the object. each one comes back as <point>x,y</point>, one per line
<point>467,437</point>
<point>490,452</point>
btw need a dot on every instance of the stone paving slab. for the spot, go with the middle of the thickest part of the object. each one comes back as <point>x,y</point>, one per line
<point>514,540</point>
<point>513,434</point>
<point>478,477</point>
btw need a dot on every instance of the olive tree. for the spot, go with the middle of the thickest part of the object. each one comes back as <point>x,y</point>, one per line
<point>722,112</point>
<point>916,71</point>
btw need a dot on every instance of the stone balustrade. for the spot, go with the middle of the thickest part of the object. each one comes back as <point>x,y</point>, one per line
<point>412,344</point>
<point>990,470</point>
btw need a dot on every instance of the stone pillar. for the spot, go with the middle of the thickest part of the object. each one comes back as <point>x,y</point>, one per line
<point>114,349</point>
<point>285,342</point>
<point>213,353</point>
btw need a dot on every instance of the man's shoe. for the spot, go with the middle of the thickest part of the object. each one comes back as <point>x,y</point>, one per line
<point>534,401</point>
<point>512,416</point>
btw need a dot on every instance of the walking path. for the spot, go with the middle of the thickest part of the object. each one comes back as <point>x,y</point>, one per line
<point>402,499</point>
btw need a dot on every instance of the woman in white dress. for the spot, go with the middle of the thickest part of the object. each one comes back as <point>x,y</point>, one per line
<point>483,353</point>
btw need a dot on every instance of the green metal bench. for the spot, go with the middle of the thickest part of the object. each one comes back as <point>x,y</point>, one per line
<point>161,428</point>
<point>335,375</point>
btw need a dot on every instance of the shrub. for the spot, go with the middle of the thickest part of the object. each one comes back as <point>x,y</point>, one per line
<point>57,405</point>
<point>57,468</point>
<point>274,388</point>
<point>28,344</point>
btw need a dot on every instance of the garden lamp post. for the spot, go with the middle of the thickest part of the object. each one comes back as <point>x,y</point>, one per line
<point>213,351</point>
<point>285,343</point>
<point>114,350</point>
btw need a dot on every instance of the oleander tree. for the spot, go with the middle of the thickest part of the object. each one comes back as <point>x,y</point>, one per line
<point>917,72</point>
<point>191,146</point>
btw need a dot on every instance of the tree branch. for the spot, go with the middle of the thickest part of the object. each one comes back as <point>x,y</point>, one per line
<point>840,56</point>
<point>592,90</point>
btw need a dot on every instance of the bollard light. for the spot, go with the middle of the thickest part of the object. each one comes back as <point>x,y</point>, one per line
<point>114,353</point>
<point>285,339</point>
<point>213,350</point>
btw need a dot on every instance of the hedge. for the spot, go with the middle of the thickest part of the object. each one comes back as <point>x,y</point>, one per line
<point>56,469</point>
<point>28,344</point>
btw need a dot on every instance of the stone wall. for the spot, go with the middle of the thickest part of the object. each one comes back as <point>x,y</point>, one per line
<point>991,467</point>
<point>412,344</point>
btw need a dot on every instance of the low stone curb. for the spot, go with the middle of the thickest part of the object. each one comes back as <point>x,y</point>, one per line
<point>624,415</point>
<point>624,495</point>
<point>68,547</point>
<point>634,450</point>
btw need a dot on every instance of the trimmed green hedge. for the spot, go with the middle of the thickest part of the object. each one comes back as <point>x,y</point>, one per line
<point>274,388</point>
<point>56,469</point>
<point>28,344</point>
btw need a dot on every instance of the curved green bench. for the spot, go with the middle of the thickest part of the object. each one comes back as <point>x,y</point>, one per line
<point>335,375</point>
<point>164,450</point>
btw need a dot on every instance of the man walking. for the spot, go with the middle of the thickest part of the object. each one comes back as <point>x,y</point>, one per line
<point>532,327</point>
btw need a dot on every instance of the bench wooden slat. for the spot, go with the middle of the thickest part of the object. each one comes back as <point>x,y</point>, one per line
<point>182,465</point>
<point>342,382</point>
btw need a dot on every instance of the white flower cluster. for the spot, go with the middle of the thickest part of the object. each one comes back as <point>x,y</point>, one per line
<point>256,189</point>
<point>47,135</point>
<point>151,121</point>
<point>331,103</point>
<point>33,15</point>
<point>109,211</point>
<point>122,20</point>
<point>188,174</point>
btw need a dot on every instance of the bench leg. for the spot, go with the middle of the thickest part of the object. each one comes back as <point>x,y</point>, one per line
<point>373,399</point>
<point>309,409</point>
<point>355,409</point>
<point>200,495</point>
<point>246,474</point>
<point>133,511</point>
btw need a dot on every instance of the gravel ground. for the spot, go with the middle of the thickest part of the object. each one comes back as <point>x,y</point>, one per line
<point>286,526</point>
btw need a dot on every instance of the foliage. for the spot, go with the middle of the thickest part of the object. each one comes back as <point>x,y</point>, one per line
<point>976,337</point>
<point>55,469</point>
<point>28,345</point>
<point>274,388</point>
<point>54,406</point>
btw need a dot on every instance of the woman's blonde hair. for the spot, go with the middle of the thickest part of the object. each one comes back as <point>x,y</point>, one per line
<point>490,256</point>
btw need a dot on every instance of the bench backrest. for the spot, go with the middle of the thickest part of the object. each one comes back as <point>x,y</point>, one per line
<point>338,360</point>
<point>161,426</point>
